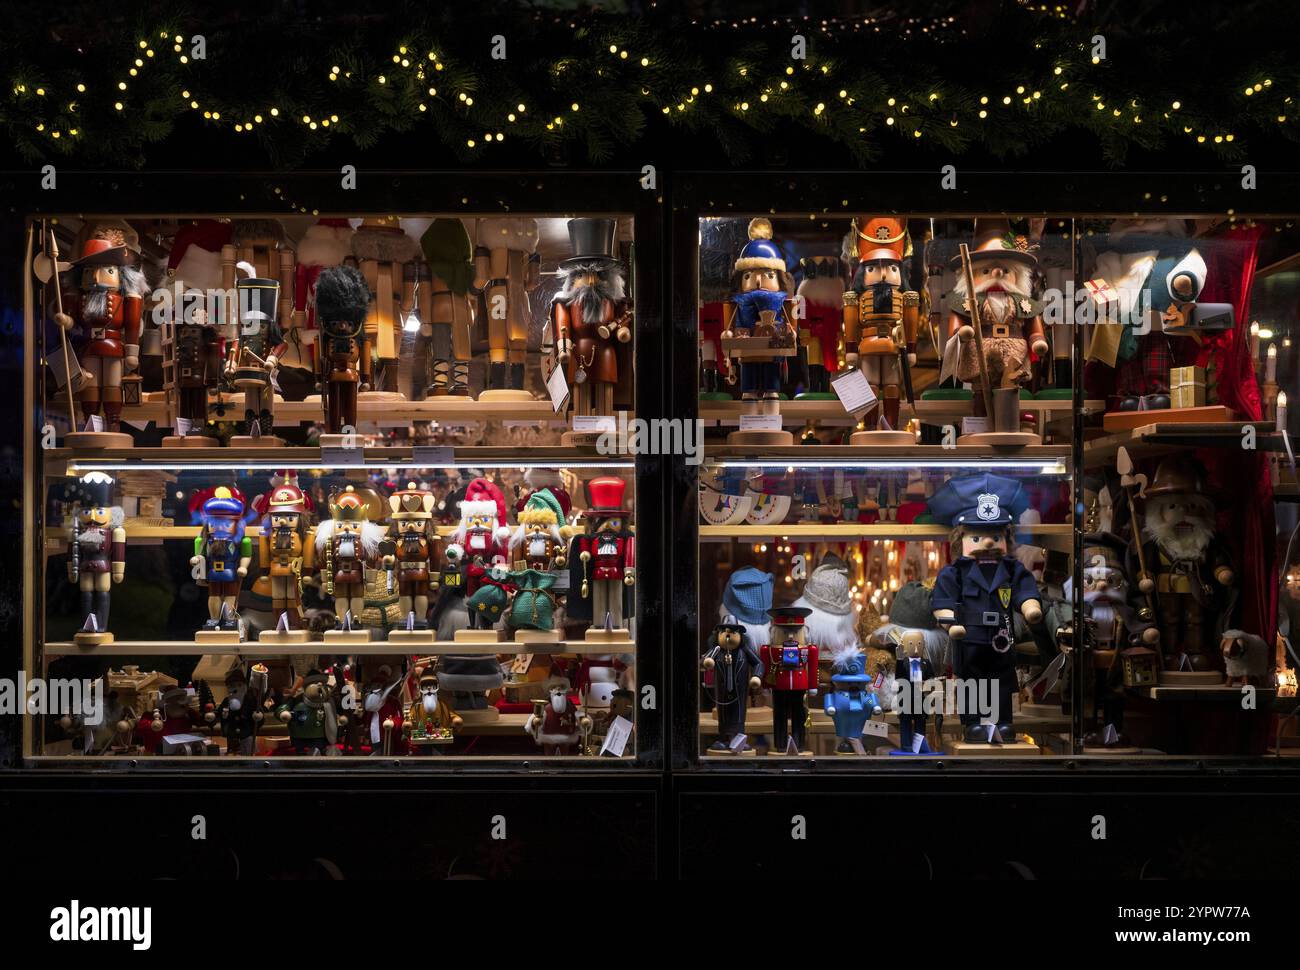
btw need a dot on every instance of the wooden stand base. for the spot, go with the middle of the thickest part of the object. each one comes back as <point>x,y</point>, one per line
<point>381,396</point>
<point>347,636</point>
<point>538,636</point>
<point>342,440</point>
<point>965,749</point>
<point>599,635</point>
<point>208,637</point>
<point>1001,439</point>
<point>1190,678</point>
<point>882,439</point>
<point>413,638</point>
<point>1128,420</point>
<point>762,439</point>
<point>260,441</point>
<point>189,441</point>
<point>284,636</point>
<point>479,636</point>
<point>92,639</point>
<point>95,440</point>
<point>483,715</point>
<point>1115,752</point>
<point>505,394</point>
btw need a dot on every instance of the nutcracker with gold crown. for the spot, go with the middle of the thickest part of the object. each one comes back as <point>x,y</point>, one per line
<point>758,331</point>
<point>107,308</point>
<point>881,317</point>
<point>603,561</point>
<point>506,267</point>
<point>346,544</point>
<point>286,551</point>
<point>991,336</point>
<point>414,555</point>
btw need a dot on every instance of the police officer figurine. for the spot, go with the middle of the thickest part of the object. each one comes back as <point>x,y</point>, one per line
<point>790,665</point>
<point>976,594</point>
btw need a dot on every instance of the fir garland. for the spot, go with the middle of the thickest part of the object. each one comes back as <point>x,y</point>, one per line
<point>517,86</point>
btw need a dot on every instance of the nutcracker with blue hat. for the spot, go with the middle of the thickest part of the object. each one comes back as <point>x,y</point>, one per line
<point>851,701</point>
<point>736,670</point>
<point>758,330</point>
<point>790,670</point>
<point>222,552</point>
<point>976,595</point>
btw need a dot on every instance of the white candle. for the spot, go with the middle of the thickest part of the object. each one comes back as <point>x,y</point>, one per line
<point>1270,364</point>
<point>1254,341</point>
<point>1281,410</point>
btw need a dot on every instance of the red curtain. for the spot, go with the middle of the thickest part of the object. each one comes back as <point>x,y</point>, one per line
<point>1231,259</point>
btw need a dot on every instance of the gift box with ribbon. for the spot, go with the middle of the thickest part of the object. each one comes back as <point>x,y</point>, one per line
<point>1187,387</point>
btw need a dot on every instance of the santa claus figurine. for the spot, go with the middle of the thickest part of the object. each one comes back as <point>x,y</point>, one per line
<point>382,703</point>
<point>558,726</point>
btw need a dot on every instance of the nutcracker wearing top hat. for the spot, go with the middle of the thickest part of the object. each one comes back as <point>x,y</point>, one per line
<point>790,669</point>
<point>976,595</point>
<point>342,301</point>
<point>881,314</point>
<point>222,552</point>
<point>254,358</point>
<point>1011,322</point>
<point>605,557</point>
<point>591,314</point>
<point>286,550</point>
<point>346,543</point>
<point>414,558</point>
<point>506,267</point>
<point>108,308</point>
<point>762,305</point>
<point>97,549</point>
<point>736,670</point>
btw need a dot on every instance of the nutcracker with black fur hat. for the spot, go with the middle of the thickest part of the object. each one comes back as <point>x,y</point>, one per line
<point>342,300</point>
<point>831,624</point>
<point>96,552</point>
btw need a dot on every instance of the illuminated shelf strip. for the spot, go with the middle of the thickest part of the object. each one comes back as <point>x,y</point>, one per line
<point>254,649</point>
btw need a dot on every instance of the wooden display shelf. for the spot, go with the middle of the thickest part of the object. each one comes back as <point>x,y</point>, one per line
<point>304,457</point>
<point>930,412</point>
<point>813,454</point>
<point>1219,692</point>
<point>1058,535</point>
<point>445,410</point>
<point>1149,440</point>
<point>253,648</point>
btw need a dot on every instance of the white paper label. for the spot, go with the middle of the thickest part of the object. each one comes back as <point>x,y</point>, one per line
<point>973,425</point>
<point>760,422</point>
<point>96,423</point>
<point>854,391</point>
<point>875,729</point>
<point>333,457</point>
<point>620,729</point>
<point>738,743</point>
<point>184,426</point>
<point>595,423</point>
<point>558,388</point>
<point>427,456</point>
<point>918,739</point>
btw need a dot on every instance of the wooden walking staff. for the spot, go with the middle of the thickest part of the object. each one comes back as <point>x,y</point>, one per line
<point>969,275</point>
<point>1130,483</point>
<point>52,250</point>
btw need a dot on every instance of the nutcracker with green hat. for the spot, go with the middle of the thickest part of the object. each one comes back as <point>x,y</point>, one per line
<point>976,594</point>
<point>539,540</point>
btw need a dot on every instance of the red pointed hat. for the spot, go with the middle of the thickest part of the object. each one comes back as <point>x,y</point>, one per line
<point>482,497</point>
<point>605,494</point>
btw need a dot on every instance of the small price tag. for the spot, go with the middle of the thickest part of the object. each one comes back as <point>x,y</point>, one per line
<point>558,388</point>
<point>95,423</point>
<point>760,422</point>
<point>595,423</point>
<point>333,457</point>
<point>854,391</point>
<point>974,425</point>
<point>918,739</point>
<point>875,729</point>
<point>183,426</point>
<point>878,682</point>
<point>738,743</point>
<point>616,737</point>
<point>429,456</point>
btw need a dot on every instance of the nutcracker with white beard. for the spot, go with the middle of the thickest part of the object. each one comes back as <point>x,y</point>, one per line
<point>430,720</point>
<point>558,726</point>
<point>1010,320</point>
<point>1184,566</point>
<point>383,710</point>
<point>832,624</point>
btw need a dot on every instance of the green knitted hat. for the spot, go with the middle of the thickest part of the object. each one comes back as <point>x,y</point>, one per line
<point>449,253</point>
<point>542,498</point>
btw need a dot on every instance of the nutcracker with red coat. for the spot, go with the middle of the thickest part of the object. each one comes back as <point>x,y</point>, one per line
<point>603,561</point>
<point>790,670</point>
<point>558,726</point>
<point>107,309</point>
<point>382,704</point>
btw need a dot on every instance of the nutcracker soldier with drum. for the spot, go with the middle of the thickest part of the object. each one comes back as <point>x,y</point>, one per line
<point>253,359</point>
<point>603,560</point>
<point>790,670</point>
<point>96,553</point>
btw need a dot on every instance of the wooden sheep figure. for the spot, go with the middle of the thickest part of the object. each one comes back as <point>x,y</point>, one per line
<point>1245,658</point>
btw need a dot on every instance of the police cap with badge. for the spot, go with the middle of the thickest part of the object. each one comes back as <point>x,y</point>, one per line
<point>982,501</point>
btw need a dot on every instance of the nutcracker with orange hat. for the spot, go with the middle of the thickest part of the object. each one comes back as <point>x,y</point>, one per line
<point>286,551</point>
<point>758,330</point>
<point>346,544</point>
<point>881,317</point>
<point>413,558</point>
<point>603,561</point>
<point>106,309</point>
<point>222,552</point>
<point>992,333</point>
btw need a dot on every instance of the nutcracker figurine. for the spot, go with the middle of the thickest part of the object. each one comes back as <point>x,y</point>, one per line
<point>758,329</point>
<point>313,721</point>
<point>737,670</point>
<point>430,720</point>
<point>558,726</point>
<point>254,358</point>
<point>286,549</point>
<point>383,251</point>
<point>346,543</point>
<point>96,553</point>
<point>591,315</point>
<point>538,542</point>
<point>997,359</point>
<point>342,301</point>
<point>383,710</point>
<point>790,669</point>
<point>416,545</point>
<point>603,560</point>
<point>506,267</point>
<point>447,309</point>
<point>850,702</point>
<point>976,595</point>
<point>107,308</point>
<point>222,553</point>
<point>326,244</point>
<point>239,714</point>
<point>821,293</point>
<point>881,317</point>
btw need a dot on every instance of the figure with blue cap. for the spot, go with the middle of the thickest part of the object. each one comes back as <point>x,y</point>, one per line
<point>222,552</point>
<point>737,670</point>
<point>746,599</point>
<point>851,701</point>
<point>976,595</point>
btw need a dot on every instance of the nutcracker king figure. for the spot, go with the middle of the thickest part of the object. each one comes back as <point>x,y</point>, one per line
<point>977,594</point>
<point>604,558</point>
<point>254,358</point>
<point>506,267</point>
<point>96,553</point>
<point>222,553</point>
<point>591,315</point>
<point>558,726</point>
<point>342,301</point>
<point>107,308</point>
<point>346,543</point>
<point>790,670</point>
<point>446,308</point>
<point>758,329</point>
<point>881,317</point>
<point>286,550</point>
<point>1010,319</point>
<point>414,556</point>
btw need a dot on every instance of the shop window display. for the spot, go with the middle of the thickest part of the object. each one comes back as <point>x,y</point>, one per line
<point>318,487</point>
